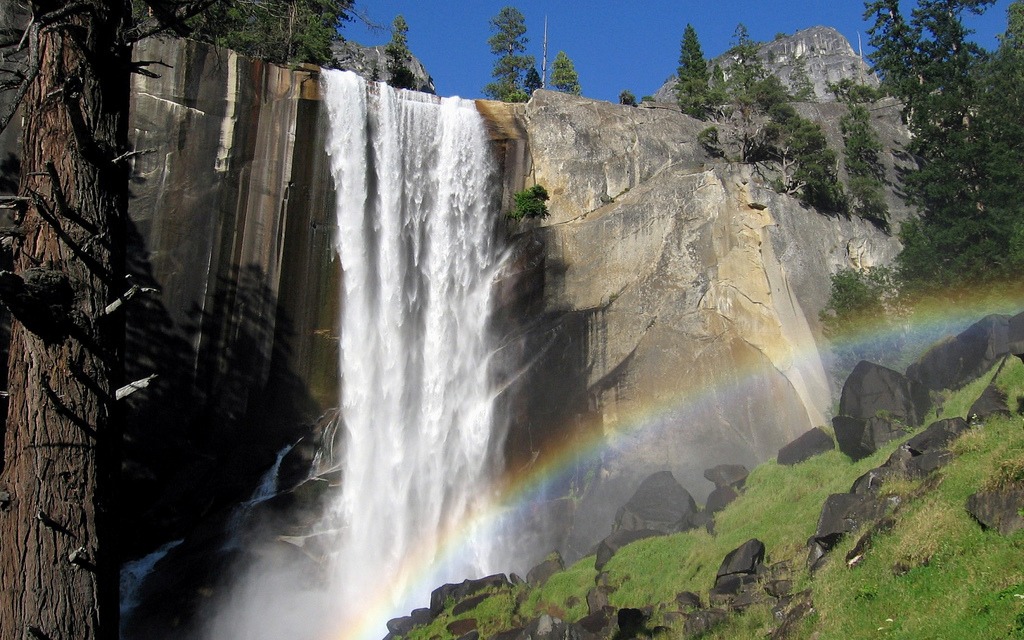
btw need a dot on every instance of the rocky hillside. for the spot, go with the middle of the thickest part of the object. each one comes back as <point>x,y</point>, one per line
<point>825,55</point>
<point>910,528</point>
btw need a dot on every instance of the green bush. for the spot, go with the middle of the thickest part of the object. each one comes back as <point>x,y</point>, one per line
<point>529,203</point>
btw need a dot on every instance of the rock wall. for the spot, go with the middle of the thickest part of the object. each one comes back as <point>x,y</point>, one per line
<point>231,220</point>
<point>674,302</point>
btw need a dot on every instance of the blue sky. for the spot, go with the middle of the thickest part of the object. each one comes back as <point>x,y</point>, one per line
<point>615,45</point>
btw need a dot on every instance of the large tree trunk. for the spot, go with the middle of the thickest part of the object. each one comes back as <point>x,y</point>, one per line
<point>58,565</point>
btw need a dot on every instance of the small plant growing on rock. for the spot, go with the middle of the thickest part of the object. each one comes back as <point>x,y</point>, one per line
<point>529,203</point>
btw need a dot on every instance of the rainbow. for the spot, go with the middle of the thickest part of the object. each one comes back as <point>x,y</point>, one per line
<point>920,323</point>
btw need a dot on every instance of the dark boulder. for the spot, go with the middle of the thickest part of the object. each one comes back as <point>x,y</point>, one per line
<point>703,519</point>
<point>659,504</point>
<point>599,622</point>
<point>1015,335</point>
<point>731,584</point>
<point>727,475</point>
<point>468,604</point>
<point>459,628</point>
<point>618,539</point>
<point>904,463</point>
<point>811,443</point>
<point>719,499</point>
<point>779,588</point>
<point>703,621</point>
<point>999,509</point>
<point>632,623</point>
<point>953,362</point>
<point>748,598</point>
<point>859,438</point>
<point>597,599</point>
<point>872,390</point>
<point>472,635</point>
<point>688,600</point>
<point>540,574</point>
<point>844,513</point>
<point>745,558</point>
<point>402,626</point>
<point>462,590</point>
<point>938,435</point>
<point>991,403</point>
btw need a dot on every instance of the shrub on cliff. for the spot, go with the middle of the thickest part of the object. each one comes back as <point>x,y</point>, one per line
<point>530,203</point>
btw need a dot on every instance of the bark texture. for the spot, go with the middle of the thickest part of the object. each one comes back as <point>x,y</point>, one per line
<point>60,449</point>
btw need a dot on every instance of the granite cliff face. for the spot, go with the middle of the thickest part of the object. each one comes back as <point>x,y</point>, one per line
<point>668,305</point>
<point>674,301</point>
<point>825,55</point>
<point>231,220</point>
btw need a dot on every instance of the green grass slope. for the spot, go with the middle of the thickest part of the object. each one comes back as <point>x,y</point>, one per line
<point>935,574</point>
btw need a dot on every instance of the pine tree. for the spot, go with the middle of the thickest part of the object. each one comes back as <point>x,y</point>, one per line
<point>866,174</point>
<point>275,30</point>
<point>961,113</point>
<point>398,56</point>
<point>533,81</point>
<point>563,75</point>
<point>692,90</point>
<point>508,42</point>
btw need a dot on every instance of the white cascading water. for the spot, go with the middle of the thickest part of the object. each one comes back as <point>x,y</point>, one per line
<point>415,213</point>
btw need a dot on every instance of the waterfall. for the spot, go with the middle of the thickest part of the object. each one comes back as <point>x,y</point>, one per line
<point>415,212</point>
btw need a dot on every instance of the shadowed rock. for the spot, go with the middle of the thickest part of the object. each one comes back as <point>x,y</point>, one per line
<point>860,438</point>
<point>999,509</point>
<point>703,621</point>
<point>688,600</point>
<point>991,402</point>
<point>956,361</point>
<point>402,626</point>
<point>744,559</point>
<point>938,435</point>
<point>462,590</point>
<point>1015,335</point>
<point>872,389</point>
<point>549,567</point>
<point>659,504</point>
<point>811,443</point>
<point>719,499</point>
<point>841,514</point>
<point>727,475</point>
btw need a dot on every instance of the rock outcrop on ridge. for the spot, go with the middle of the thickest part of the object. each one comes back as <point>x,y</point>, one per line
<point>825,55</point>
